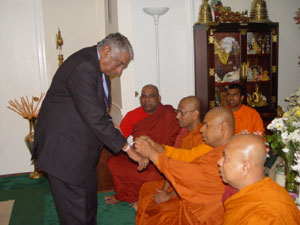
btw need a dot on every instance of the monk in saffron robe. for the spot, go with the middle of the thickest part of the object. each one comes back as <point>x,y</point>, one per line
<point>159,194</point>
<point>246,118</point>
<point>198,182</point>
<point>260,200</point>
<point>152,119</point>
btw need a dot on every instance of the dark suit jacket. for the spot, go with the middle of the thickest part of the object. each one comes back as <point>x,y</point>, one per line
<point>73,123</point>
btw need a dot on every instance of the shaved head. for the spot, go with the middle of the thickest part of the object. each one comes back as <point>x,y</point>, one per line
<point>150,98</point>
<point>151,86</point>
<point>250,147</point>
<point>243,160</point>
<point>218,126</point>
<point>225,115</point>
<point>192,101</point>
<point>188,112</point>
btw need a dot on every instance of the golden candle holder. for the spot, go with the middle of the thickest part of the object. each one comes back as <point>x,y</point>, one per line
<point>259,13</point>
<point>205,13</point>
<point>59,44</point>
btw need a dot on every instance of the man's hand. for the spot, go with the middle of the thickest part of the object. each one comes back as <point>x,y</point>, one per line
<point>142,161</point>
<point>154,144</point>
<point>161,197</point>
<point>144,147</point>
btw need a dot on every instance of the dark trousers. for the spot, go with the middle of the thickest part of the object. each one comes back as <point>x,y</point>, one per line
<point>75,204</point>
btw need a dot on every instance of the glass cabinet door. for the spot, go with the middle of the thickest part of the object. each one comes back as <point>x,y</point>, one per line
<point>259,69</point>
<point>227,63</point>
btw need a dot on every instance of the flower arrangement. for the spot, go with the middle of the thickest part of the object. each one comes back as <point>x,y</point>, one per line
<point>26,108</point>
<point>29,110</point>
<point>285,140</point>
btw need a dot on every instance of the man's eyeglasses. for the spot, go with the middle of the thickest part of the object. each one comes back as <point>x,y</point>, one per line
<point>183,112</point>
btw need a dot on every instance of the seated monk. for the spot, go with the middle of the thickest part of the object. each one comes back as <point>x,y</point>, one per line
<point>260,200</point>
<point>159,194</point>
<point>197,182</point>
<point>154,120</point>
<point>246,118</point>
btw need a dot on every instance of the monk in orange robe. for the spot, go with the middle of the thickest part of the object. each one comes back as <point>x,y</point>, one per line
<point>198,182</point>
<point>154,120</point>
<point>246,118</point>
<point>260,200</point>
<point>159,194</point>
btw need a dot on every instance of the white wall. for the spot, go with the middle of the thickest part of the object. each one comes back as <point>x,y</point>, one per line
<point>19,76</point>
<point>81,24</point>
<point>176,52</point>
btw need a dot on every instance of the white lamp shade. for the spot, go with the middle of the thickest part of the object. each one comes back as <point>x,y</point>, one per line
<point>152,11</point>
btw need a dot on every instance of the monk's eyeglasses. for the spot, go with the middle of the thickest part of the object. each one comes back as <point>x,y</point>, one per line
<point>183,112</point>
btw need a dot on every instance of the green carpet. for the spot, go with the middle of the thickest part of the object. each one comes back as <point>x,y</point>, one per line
<point>34,204</point>
<point>120,214</point>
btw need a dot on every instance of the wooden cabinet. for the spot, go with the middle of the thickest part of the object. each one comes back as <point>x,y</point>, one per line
<point>230,53</point>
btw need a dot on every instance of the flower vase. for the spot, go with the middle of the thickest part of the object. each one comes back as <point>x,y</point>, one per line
<point>29,139</point>
<point>290,176</point>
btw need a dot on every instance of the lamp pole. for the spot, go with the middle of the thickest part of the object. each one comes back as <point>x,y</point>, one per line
<point>156,12</point>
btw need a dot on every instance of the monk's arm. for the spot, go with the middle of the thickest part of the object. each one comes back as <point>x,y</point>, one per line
<point>179,173</point>
<point>258,123</point>
<point>166,186</point>
<point>187,155</point>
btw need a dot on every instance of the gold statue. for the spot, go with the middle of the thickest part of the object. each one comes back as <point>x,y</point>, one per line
<point>256,95</point>
<point>257,98</point>
<point>223,55</point>
<point>265,76</point>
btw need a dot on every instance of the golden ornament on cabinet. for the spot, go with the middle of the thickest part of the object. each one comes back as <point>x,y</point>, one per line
<point>205,13</point>
<point>259,13</point>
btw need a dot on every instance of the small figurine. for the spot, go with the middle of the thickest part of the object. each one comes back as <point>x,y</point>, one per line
<point>255,46</point>
<point>255,73</point>
<point>268,45</point>
<point>256,95</point>
<point>265,76</point>
<point>215,4</point>
<point>250,75</point>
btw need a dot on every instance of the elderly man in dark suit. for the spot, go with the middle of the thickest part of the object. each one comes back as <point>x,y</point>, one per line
<point>74,124</point>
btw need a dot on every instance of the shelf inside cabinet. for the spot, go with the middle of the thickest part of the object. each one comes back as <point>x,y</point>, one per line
<point>219,84</point>
<point>258,55</point>
<point>258,82</point>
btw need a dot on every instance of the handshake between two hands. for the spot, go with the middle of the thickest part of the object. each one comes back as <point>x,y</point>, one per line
<point>141,150</point>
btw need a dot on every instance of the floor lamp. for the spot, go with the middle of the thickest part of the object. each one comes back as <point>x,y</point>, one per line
<point>156,12</point>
